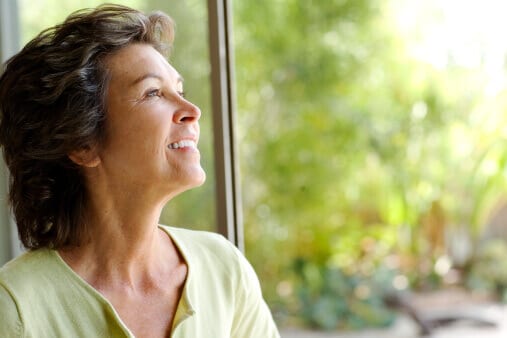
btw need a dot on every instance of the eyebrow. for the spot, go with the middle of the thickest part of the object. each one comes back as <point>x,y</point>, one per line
<point>146,76</point>
<point>154,76</point>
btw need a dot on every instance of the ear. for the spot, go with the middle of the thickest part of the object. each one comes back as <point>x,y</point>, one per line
<point>85,157</point>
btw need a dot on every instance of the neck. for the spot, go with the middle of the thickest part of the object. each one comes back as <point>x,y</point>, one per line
<point>124,246</point>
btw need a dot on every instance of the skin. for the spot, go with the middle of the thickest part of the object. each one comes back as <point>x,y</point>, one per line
<point>129,178</point>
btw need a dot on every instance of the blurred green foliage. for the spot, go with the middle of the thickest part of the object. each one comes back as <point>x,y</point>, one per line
<point>488,271</point>
<point>330,298</point>
<point>354,154</point>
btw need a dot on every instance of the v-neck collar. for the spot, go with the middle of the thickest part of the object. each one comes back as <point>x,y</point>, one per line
<point>184,309</point>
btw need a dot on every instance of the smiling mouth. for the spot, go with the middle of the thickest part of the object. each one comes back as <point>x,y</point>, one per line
<point>182,144</point>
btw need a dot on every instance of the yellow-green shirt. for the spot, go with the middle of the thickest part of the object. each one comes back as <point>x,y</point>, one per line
<point>41,296</point>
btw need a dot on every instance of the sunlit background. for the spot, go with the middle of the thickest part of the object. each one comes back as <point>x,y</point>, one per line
<point>372,137</point>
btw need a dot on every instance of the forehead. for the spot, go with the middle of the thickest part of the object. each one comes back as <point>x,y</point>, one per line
<point>134,61</point>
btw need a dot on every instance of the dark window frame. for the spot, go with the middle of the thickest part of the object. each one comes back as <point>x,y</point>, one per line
<point>228,194</point>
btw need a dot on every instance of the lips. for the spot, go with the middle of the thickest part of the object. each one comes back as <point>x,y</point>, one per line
<point>182,144</point>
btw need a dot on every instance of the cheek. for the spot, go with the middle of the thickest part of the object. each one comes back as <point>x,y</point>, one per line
<point>148,140</point>
<point>123,142</point>
<point>143,132</point>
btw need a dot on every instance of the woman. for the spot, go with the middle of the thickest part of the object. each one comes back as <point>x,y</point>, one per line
<point>98,137</point>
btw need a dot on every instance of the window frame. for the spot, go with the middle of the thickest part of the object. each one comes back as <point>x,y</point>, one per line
<point>228,193</point>
<point>9,44</point>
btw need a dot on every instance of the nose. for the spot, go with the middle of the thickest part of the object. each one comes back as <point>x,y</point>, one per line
<point>187,113</point>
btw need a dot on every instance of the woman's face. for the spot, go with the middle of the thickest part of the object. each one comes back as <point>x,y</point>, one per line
<point>151,129</point>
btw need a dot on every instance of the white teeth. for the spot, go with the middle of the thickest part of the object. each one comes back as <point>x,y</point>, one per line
<point>182,144</point>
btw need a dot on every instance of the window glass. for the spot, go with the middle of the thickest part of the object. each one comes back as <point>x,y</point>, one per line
<point>195,208</point>
<point>373,153</point>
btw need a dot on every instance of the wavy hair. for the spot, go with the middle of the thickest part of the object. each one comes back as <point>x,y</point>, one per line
<point>52,102</point>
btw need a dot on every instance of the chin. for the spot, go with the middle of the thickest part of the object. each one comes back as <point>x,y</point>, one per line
<point>201,179</point>
<point>194,182</point>
<point>196,179</point>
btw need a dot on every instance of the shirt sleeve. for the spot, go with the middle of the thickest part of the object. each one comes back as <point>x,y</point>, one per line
<point>252,317</point>
<point>10,321</point>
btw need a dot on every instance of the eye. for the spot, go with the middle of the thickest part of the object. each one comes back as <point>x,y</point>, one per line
<point>182,94</point>
<point>153,93</point>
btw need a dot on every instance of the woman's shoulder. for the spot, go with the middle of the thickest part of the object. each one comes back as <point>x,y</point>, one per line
<point>21,281</point>
<point>207,249</point>
<point>199,240</point>
<point>30,263</point>
<point>39,295</point>
<point>27,276</point>
<point>10,319</point>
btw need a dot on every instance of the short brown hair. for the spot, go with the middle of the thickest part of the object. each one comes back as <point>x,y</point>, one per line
<point>52,102</point>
